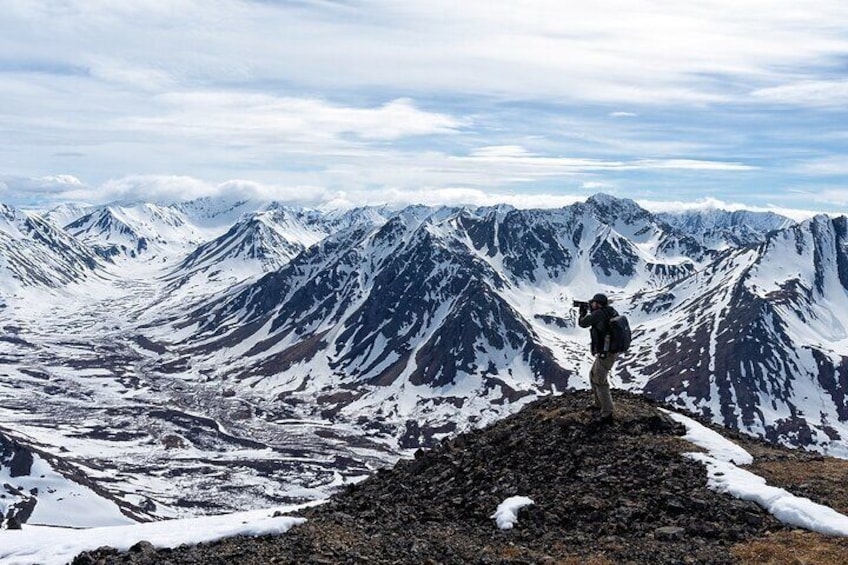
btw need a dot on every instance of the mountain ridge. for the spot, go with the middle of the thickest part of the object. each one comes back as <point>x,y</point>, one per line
<point>400,328</point>
<point>600,494</point>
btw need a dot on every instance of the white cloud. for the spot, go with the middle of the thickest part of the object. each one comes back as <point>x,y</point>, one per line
<point>458,196</point>
<point>826,93</point>
<point>688,164</point>
<point>832,196</point>
<point>834,165</point>
<point>520,159</point>
<point>623,115</point>
<point>644,51</point>
<point>122,73</point>
<point>23,190</point>
<point>251,118</point>
<point>593,185</point>
<point>167,189</point>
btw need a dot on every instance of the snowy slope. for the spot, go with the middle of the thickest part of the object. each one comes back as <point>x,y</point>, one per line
<point>33,492</point>
<point>721,229</point>
<point>142,230</point>
<point>757,339</point>
<point>257,243</point>
<point>58,546</point>
<point>287,351</point>
<point>438,309</point>
<point>34,253</point>
<point>64,214</point>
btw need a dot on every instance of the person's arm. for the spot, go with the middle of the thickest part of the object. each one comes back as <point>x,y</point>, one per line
<point>590,319</point>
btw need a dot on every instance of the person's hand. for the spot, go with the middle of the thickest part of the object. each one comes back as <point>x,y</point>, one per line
<point>584,309</point>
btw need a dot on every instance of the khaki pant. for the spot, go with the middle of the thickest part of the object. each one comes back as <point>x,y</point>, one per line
<point>600,383</point>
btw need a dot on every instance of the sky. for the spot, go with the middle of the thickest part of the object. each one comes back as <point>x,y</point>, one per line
<point>345,102</point>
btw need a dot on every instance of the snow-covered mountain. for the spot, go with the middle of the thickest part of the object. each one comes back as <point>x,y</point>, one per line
<point>66,213</point>
<point>34,253</point>
<point>437,318</point>
<point>287,350</point>
<point>134,231</point>
<point>721,229</point>
<point>758,339</point>
<point>259,242</point>
<point>218,212</point>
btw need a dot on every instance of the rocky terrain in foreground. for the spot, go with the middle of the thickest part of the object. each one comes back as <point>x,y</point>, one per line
<point>603,494</point>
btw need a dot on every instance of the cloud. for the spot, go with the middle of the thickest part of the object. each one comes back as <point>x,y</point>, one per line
<point>592,185</point>
<point>834,165</point>
<point>834,196</point>
<point>167,189</point>
<point>400,95</point>
<point>689,164</point>
<point>520,160</point>
<point>133,77</point>
<point>457,196</point>
<point>824,93</point>
<point>645,51</point>
<point>248,117</point>
<point>17,190</point>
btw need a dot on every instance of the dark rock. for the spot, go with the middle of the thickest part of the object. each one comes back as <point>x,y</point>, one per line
<point>669,533</point>
<point>143,547</point>
<point>624,492</point>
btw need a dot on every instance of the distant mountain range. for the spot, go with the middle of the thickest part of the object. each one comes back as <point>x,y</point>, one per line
<point>368,331</point>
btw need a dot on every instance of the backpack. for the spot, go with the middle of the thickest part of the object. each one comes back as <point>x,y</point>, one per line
<point>617,339</point>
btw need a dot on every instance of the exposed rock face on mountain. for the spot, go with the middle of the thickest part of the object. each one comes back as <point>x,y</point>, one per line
<point>15,505</point>
<point>615,494</point>
<point>435,310</point>
<point>757,339</point>
<point>141,230</point>
<point>334,340</point>
<point>34,253</point>
<point>719,229</point>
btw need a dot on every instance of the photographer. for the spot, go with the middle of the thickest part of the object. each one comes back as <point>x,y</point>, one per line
<point>596,315</point>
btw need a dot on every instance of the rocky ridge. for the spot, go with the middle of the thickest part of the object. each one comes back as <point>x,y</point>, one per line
<point>621,493</point>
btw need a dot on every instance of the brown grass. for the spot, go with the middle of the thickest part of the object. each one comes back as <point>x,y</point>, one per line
<point>822,480</point>
<point>514,553</point>
<point>793,548</point>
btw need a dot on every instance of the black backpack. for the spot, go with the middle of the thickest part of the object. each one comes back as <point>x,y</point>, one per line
<point>617,339</point>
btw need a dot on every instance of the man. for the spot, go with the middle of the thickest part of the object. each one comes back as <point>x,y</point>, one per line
<point>596,317</point>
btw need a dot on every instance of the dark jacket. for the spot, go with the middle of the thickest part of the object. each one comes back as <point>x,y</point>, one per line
<point>598,323</point>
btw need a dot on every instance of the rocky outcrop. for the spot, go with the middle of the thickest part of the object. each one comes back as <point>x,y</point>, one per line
<point>614,493</point>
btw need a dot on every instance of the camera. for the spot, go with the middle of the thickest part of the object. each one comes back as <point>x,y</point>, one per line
<point>580,304</point>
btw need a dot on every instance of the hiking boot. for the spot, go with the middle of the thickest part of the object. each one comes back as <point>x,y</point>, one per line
<point>607,420</point>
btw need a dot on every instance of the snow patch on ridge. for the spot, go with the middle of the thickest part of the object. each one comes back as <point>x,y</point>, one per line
<point>507,513</point>
<point>723,475</point>
<point>56,546</point>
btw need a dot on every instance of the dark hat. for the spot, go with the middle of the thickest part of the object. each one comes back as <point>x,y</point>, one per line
<point>600,299</point>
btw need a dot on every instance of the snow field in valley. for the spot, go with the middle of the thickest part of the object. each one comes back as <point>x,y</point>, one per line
<point>56,546</point>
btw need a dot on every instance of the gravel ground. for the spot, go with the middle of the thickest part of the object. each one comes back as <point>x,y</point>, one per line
<point>619,493</point>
